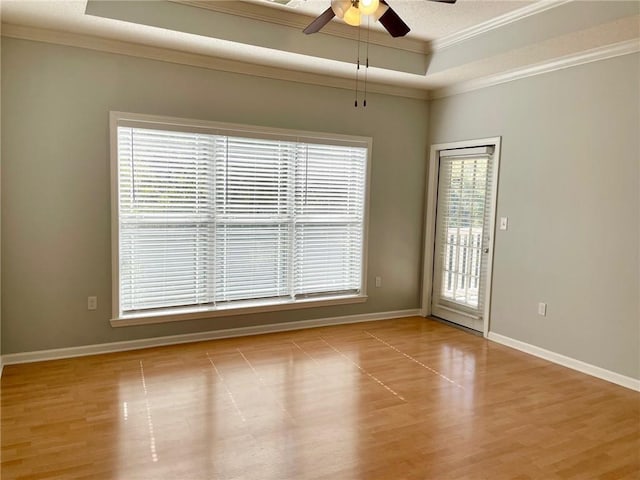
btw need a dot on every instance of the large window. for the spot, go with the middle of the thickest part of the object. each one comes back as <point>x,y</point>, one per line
<point>223,218</point>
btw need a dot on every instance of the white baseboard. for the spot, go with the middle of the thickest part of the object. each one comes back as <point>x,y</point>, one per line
<point>58,353</point>
<point>598,372</point>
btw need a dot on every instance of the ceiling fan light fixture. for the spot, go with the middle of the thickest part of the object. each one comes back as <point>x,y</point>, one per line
<point>352,16</point>
<point>340,7</point>
<point>368,7</point>
<point>381,10</point>
<point>351,12</point>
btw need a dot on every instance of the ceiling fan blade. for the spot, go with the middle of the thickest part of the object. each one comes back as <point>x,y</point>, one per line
<point>444,1</point>
<point>320,22</point>
<point>393,23</point>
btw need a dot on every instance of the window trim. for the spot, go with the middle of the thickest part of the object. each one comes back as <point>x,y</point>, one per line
<point>117,118</point>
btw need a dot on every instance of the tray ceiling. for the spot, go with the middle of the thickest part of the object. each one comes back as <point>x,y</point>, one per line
<point>448,46</point>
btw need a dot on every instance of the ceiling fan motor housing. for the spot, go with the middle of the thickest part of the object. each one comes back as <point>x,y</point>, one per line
<point>340,7</point>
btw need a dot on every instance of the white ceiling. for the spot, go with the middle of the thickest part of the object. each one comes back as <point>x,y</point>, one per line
<point>448,44</point>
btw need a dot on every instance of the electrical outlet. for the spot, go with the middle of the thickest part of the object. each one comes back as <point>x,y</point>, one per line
<point>542,309</point>
<point>378,282</point>
<point>92,303</point>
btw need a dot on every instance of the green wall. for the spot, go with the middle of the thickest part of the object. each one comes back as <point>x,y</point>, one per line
<point>570,186</point>
<point>569,183</point>
<point>55,182</point>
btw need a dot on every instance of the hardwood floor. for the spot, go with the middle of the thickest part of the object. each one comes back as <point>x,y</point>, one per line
<point>398,399</point>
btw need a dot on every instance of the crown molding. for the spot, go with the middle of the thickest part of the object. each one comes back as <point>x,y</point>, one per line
<point>497,22</point>
<point>284,17</point>
<point>90,42</point>
<point>233,66</point>
<point>601,53</point>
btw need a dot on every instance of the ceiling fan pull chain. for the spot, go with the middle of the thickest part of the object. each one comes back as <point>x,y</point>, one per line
<point>364,103</point>
<point>366,70</point>
<point>357,68</point>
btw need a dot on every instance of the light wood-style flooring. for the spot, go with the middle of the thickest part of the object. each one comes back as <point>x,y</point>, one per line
<point>398,399</point>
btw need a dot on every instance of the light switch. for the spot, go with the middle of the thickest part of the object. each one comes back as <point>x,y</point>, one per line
<point>92,303</point>
<point>504,222</point>
<point>542,309</point>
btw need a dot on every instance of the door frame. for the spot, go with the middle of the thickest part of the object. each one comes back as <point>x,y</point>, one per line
<point>431,201</point>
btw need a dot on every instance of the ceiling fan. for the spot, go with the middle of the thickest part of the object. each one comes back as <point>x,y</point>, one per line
<point>352,11</point>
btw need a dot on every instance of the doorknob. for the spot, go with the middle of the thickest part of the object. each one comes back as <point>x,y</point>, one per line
<point>485,250</point>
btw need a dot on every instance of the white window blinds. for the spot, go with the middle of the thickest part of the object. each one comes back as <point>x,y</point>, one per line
<point>166,218</point>
<point>213,218</point>
<point>253,216</point>
<point>329,194</point>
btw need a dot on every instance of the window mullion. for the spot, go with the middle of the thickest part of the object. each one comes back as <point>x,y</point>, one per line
<point>213,216</point>
<point>292,211</point>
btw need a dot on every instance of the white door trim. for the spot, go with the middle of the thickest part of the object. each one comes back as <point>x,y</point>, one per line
<point>431,199</point>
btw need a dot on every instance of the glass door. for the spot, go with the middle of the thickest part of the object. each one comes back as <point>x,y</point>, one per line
<point>462,235</point>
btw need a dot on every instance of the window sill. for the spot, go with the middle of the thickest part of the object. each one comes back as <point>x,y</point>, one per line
<point>194,313</point>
